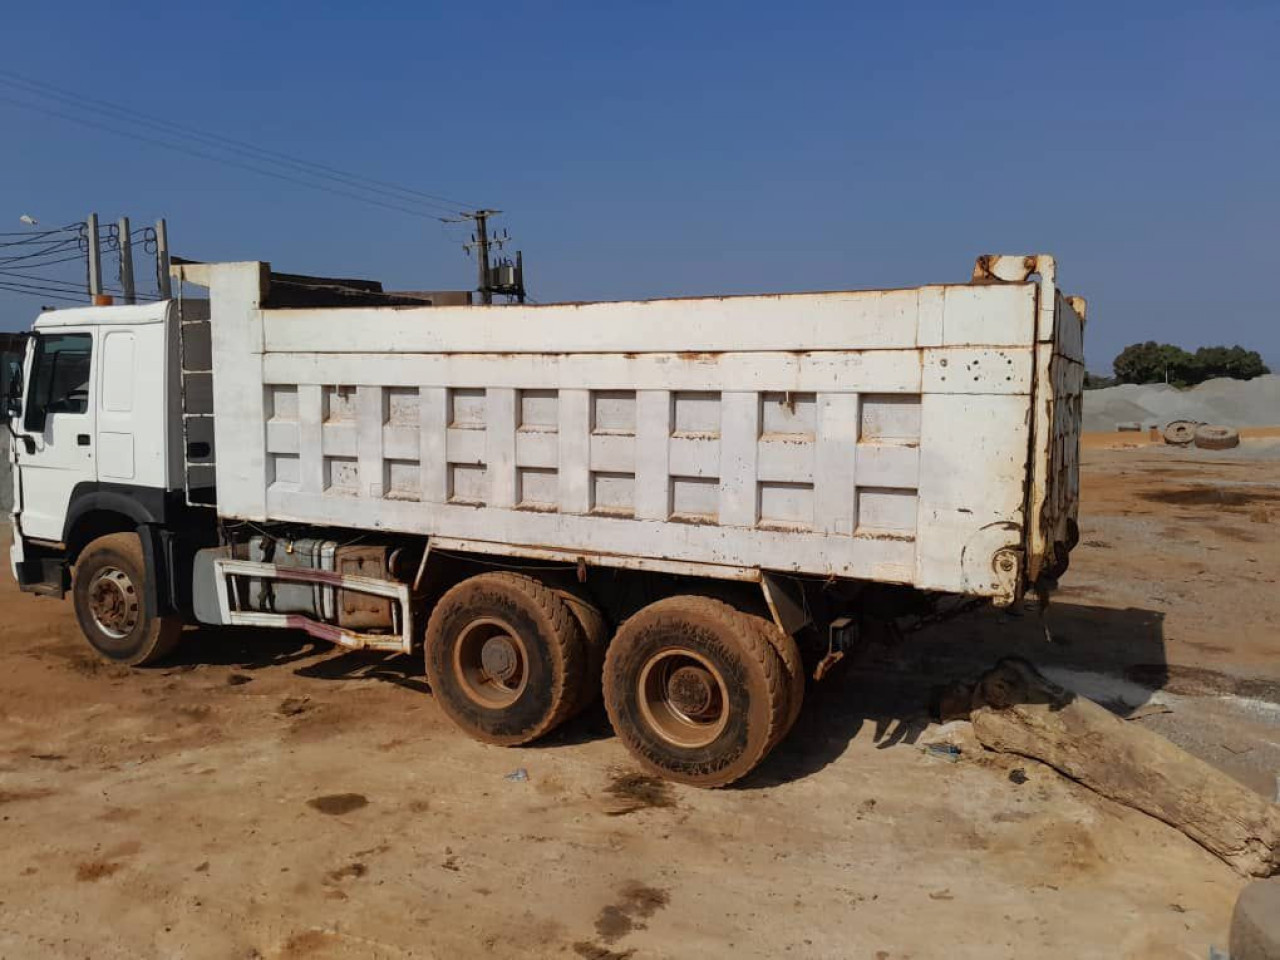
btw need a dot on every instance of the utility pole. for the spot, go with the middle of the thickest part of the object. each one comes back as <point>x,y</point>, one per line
<point>95,259</point>
<point>126,263</point>
<point>480,240</point>
<point>506,278</point>
<point>163,283</point>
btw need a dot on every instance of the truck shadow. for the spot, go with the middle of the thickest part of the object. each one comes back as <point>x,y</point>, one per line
<point>244,647</point>
<point>888,694</point>
<point>252,649</point>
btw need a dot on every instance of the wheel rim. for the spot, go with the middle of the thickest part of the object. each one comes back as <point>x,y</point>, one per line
<point>683,698</point>
<point>114,603</point>
<point>490,663</point>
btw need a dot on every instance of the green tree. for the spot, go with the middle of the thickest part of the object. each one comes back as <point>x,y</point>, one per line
<point>1153,362</point>
<point>1235,362</point>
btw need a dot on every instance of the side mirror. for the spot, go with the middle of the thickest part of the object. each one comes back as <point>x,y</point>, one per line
<point>14,352</point>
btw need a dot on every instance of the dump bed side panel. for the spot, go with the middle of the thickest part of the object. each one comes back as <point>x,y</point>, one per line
<point>879,435</point>
<point>1058,408</point>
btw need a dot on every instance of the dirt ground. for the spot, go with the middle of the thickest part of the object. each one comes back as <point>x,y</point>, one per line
<point>268,797</point>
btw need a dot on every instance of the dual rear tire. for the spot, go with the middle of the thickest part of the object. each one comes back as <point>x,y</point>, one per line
<point>507,657</point>
<point>696,690</point>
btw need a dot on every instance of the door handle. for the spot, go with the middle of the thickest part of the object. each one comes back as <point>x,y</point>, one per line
<point>82,439</point>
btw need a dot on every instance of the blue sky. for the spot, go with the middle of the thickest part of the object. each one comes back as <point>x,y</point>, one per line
<point>672,148</point>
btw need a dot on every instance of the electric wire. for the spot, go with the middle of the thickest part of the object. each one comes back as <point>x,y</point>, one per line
<point>305,167</point>
<point>31,235</point>
<point>35,277</point>
<point>34,291</point>
<point>53,92</point>
<point>216,159</point>
<point>40,255</point>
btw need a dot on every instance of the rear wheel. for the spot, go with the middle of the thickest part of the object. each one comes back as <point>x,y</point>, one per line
<point>695,691</point>
<point>505,657</point>
<point>784,645</point>
<point>595,634</point>
<point>108,591</point>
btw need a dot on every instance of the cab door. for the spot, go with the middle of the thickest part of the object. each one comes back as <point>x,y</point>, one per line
<point>56,439</point>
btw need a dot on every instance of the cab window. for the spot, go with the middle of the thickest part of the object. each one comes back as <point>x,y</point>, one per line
<point>13,347</point>
<point>59,377</point>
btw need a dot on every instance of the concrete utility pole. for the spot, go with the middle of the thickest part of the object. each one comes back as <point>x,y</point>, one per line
<point>95,258</point>
<point>163,283</point>
<point>506,278</point>
<point>126,263</point>
<point>481,217</point>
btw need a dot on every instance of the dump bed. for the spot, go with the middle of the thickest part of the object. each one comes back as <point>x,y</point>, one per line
<point>925,436</point>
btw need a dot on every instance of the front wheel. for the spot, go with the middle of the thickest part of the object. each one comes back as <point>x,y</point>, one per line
<point>109,598</point>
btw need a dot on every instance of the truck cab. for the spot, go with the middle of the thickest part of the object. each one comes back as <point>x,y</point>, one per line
<point>96,446</point>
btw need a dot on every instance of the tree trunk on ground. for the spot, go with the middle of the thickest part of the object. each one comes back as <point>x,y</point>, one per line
<point>1017,710</point>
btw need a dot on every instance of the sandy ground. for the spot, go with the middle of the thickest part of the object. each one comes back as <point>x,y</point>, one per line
<point>266,797</point>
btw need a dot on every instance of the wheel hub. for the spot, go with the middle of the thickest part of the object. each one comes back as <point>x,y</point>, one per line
<point>691,691</point>
<point>113,602</point>
<point>499,659</point>
<point>683,698</point>
<point>490,663</point>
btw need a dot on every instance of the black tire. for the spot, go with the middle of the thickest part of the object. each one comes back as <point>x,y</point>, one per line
<point>784,645</point>
<point>694,691</point>
<point>505,657</point>
<point>107,592</point>
<point>595,634</point>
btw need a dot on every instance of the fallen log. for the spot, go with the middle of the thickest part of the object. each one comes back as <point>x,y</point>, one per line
<point>1017,710</point>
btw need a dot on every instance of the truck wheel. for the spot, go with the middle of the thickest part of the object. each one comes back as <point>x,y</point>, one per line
<point>694,691</point>
<point>505,657</point>
<point>784,645</point>
<point>107,592</point>
<point>595,632</point>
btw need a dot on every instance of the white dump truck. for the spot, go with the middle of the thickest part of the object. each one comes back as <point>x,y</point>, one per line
<point>687,504</point>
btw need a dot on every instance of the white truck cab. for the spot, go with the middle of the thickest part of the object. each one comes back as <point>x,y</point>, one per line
<point>96,445</point>
<point>97,411</point>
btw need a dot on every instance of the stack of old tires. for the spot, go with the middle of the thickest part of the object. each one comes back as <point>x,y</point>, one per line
<point>1206,436</point>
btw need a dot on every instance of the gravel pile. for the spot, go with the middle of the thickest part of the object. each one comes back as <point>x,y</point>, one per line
<point>1232,403</point>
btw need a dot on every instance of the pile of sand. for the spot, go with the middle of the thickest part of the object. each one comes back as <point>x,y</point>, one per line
<point>1231,403</point>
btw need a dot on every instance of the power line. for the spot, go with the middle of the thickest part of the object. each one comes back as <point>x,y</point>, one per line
<point>35,276</point>
<point>216,159</point>
<point>30,236</point>
<point>39,255</point>
<point>34,291</point>
<point>306,167</point>
<point>32,243</point>
<point>45,89</point>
